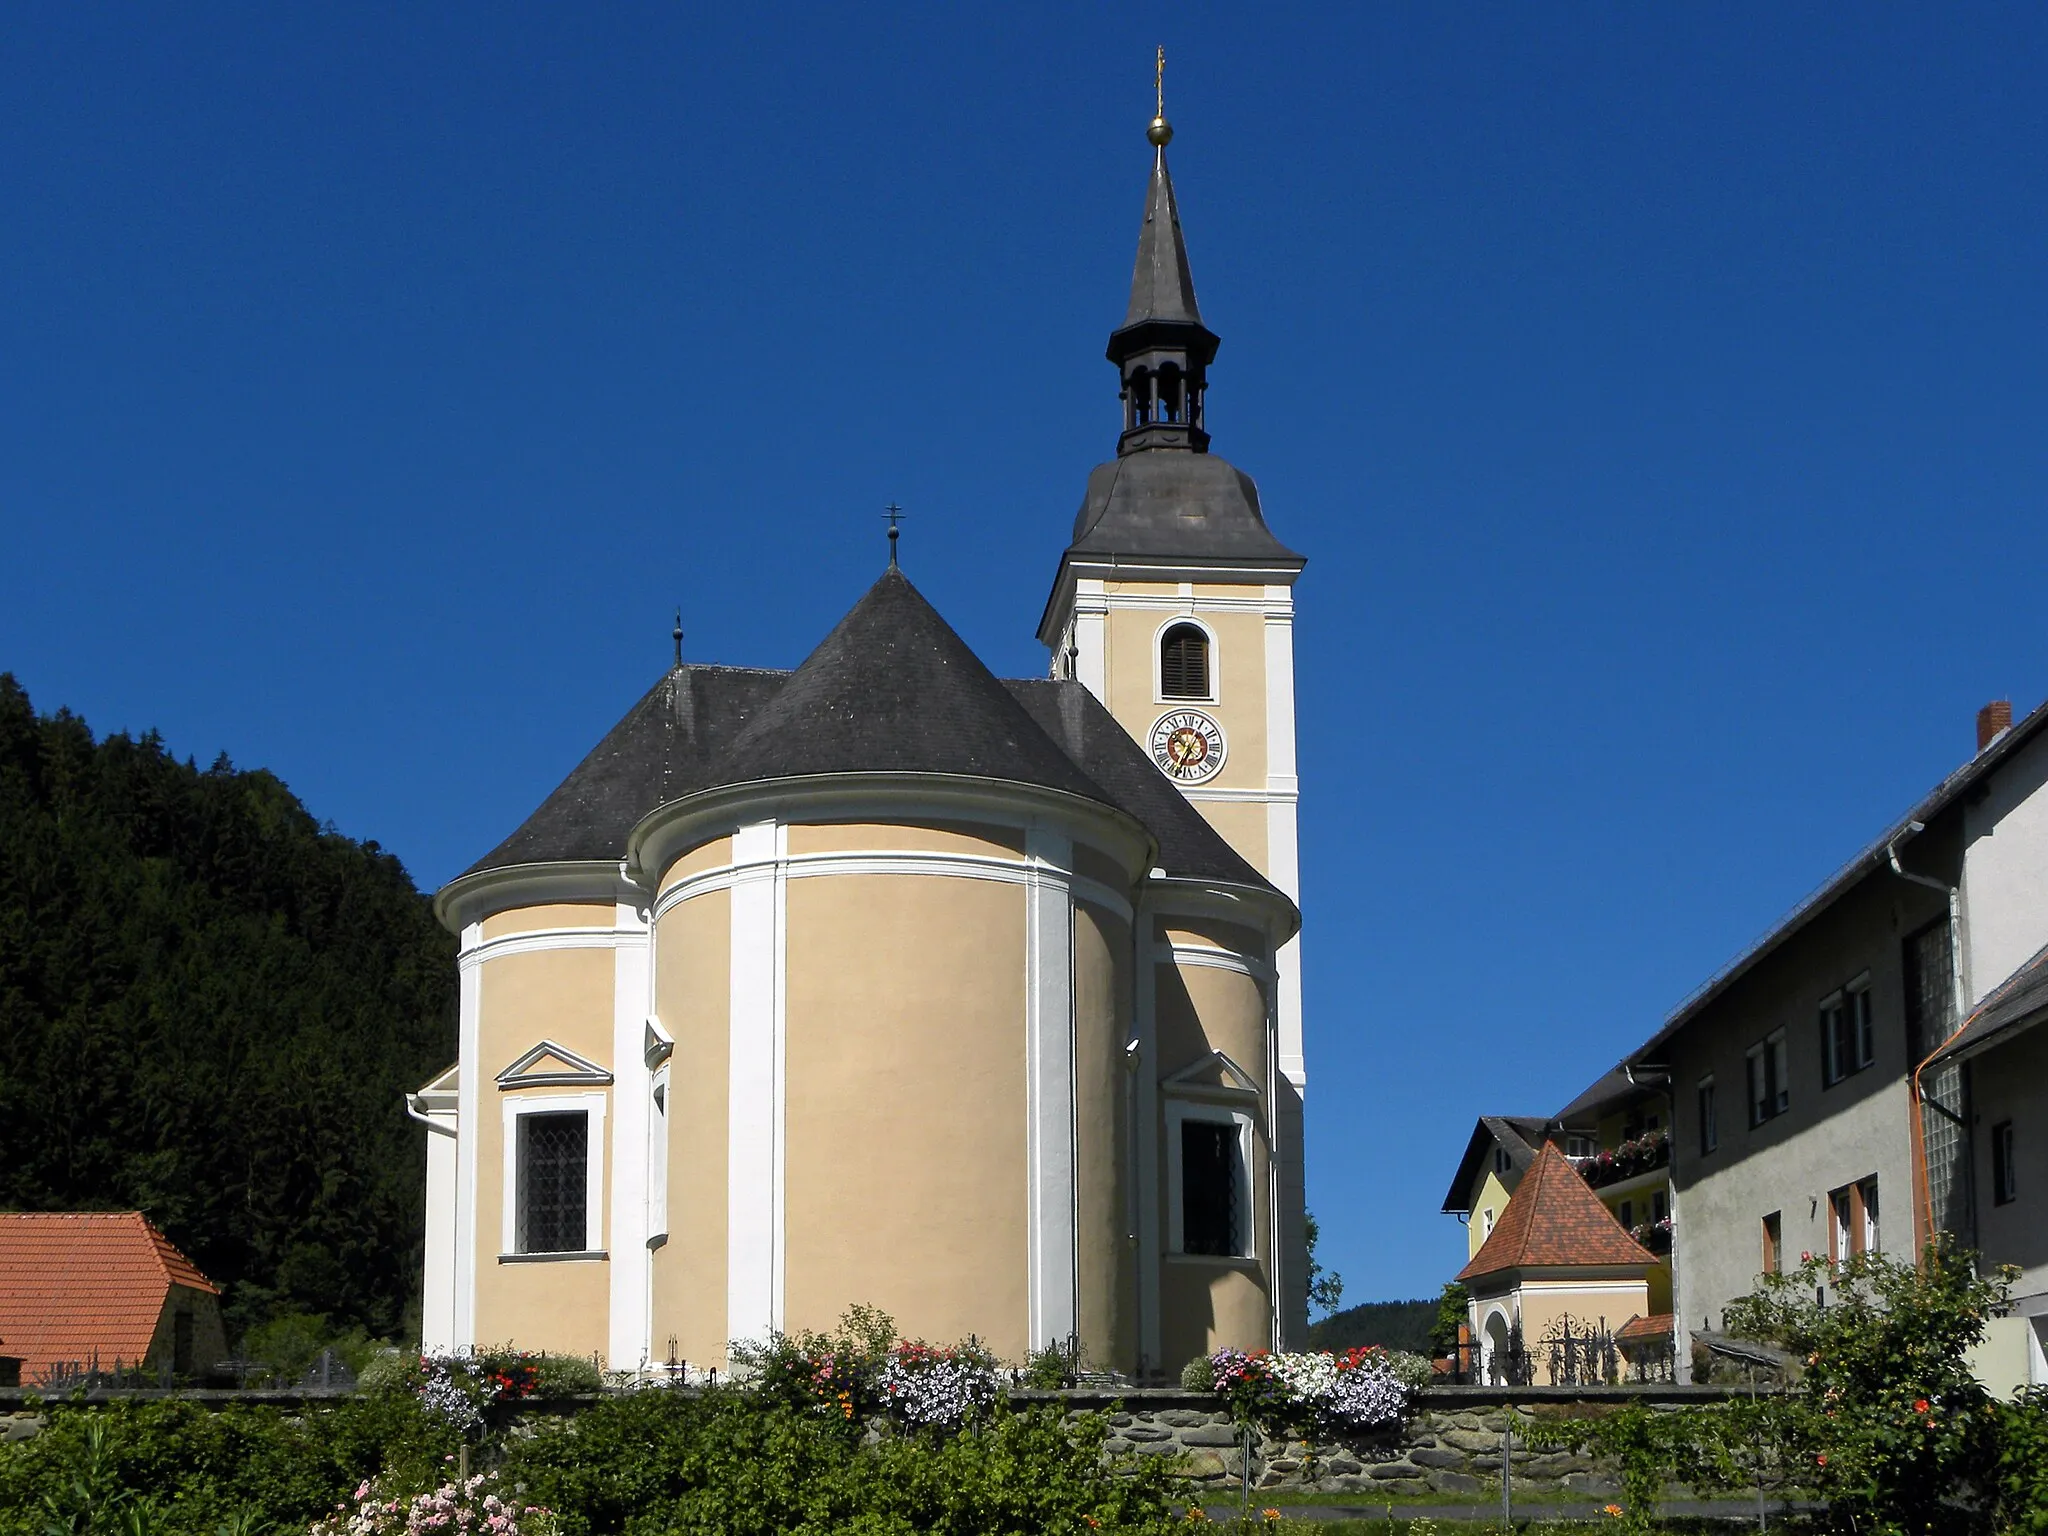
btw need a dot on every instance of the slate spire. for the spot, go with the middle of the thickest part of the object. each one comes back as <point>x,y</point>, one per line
<point>1162,350</point>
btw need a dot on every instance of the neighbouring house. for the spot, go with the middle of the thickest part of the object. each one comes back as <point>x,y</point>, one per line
<point>1499,1153</point>
<point>93,1290</point>
<point>2001,1056</point>
<point>890,981</point>
<point>1556,1263</point>
<point>1616,1134</point>
<point>1801,1116</point>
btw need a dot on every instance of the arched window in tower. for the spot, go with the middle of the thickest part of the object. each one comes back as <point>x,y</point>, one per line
<point>1170,394</point>
<point>1138,394</point>
<point>1184,663</point>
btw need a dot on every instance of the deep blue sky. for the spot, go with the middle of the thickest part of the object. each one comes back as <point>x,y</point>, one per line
<point>1659,397</point>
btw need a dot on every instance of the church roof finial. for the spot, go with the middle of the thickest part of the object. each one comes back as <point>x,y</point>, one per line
<point>895,515</point>
<point>1161,131</point>
<point>678,636</point>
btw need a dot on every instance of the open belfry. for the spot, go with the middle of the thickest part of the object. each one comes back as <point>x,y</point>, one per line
<point>889,981</point>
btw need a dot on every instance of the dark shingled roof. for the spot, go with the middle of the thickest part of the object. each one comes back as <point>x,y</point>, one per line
<point>1175,503</point>
<point>1520,1135</point>
<point>662,749</point>
<point>891,690</point>
<point>1162,287</point>
<point>2015,1003</point>
<point>1075,718</point>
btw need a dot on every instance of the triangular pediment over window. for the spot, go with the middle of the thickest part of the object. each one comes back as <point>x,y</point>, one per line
<point>549,1065</point>
<point>1214,1073</point>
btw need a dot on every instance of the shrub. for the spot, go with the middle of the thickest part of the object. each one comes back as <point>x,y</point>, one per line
<point>476,1506</point>
<point>1887,1422</point>
<point>197,1469</point>
<point>2021,1474</point>
<point>735,1460</point>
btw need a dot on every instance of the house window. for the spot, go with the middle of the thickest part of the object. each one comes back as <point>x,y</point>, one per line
<point>183,1362</point>
<point>1627,1214</point>
<point>1184,663</point>
<point>1501,1161</point>
<point>1214,1186</point>
<point>1847,1041</point>
<point>1486,1223</point>
<point>1580,1146</point>
<point>1774,1243</point>
<point>1660,1206</point>
<point>1852,1220</point>
<point>2004,1185</point>
<point>1769,1066</point>
<point>1710,1123</point>
<point>1930,989</point>
<point>553,1182</point>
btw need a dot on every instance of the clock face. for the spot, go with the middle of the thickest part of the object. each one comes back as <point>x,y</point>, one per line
<point>1188,746</point>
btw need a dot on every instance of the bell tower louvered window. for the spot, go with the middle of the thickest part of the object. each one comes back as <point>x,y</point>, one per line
<point>1184,663</point>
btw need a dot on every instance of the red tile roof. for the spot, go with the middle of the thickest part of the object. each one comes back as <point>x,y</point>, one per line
<point>75,1285</point>
<point>1657,1325</point>
<point>1554,1220</point>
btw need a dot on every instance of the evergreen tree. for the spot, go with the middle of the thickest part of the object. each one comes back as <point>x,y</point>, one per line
<point>210,1005</point>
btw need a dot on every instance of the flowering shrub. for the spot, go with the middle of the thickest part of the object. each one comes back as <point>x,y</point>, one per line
<point>460,1388</point>
<point>939,1388</point>
<point>472,1507</point>
<point>1637,1155</point>
<point>1357,1390</point>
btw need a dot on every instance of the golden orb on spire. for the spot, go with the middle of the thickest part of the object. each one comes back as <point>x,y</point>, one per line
<point>1161,131</point>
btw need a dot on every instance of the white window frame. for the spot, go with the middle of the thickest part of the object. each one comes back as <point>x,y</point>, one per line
<point>1177,1113</point>
<point>516,1105</point>
<point>660,1107</point>
<point>1215,693</point>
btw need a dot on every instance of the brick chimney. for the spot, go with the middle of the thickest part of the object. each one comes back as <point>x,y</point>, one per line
<point>1991,719</point>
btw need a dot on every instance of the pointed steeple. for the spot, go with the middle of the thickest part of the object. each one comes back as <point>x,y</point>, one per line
<point>1162,287</point>
<point>1162,350</point>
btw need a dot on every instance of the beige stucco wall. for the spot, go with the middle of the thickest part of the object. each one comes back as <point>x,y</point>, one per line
<point>713,853</point>
<point>554,914</point>
<point>1242,824</point>
<point>1106,1258</point>
<point>1201,1008</point>
<point>564,995</point>
<point>1211,1304</point>
<point>904,1125</point>
<point>931,837</point>
<point>692,998</point>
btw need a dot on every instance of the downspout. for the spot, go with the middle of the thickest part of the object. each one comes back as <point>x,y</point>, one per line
<point>1922,1189</point>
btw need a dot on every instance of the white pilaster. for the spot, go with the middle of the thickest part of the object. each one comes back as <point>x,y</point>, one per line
<point>1148,1128</point>
<point>754,1106</point>
<point>1283,785</point>
<point>1049,1068</point>
<point>437,1312</point>
<point>1091,638</point>
<point>470,991</point>
<point>630,1324</point>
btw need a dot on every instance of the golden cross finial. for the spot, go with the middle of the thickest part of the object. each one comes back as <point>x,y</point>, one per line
<point>1161,130</point>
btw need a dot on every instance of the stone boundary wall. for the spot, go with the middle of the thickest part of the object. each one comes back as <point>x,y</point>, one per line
<point>1451,1442</point>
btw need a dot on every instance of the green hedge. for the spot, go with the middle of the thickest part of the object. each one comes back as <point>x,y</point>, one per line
<point>720,1461</point>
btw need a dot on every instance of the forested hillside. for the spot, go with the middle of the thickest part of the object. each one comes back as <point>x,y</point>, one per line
<point>1402,1325</point>
<point>210,1007</point>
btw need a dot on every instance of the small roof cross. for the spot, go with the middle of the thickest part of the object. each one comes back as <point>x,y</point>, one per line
<point>895,515</point>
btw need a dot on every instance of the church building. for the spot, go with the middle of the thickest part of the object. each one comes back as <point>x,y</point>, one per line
<point>889,981</point>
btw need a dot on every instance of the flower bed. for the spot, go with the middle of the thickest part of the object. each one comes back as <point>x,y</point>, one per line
<point>1351,1393</point>
<point>471,1507</point>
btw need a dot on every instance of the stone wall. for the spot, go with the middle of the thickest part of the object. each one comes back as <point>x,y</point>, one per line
<point>1450,1444</point>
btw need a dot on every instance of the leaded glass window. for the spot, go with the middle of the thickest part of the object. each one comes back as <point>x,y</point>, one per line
<point>554,1161</point>
<point>1211,1196</point>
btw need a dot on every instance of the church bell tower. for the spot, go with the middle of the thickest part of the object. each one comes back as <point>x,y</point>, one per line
<point>1174,603</point>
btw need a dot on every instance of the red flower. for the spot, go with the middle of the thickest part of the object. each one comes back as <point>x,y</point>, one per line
<point>1821,1459</point>
<point>1920,1405</point>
